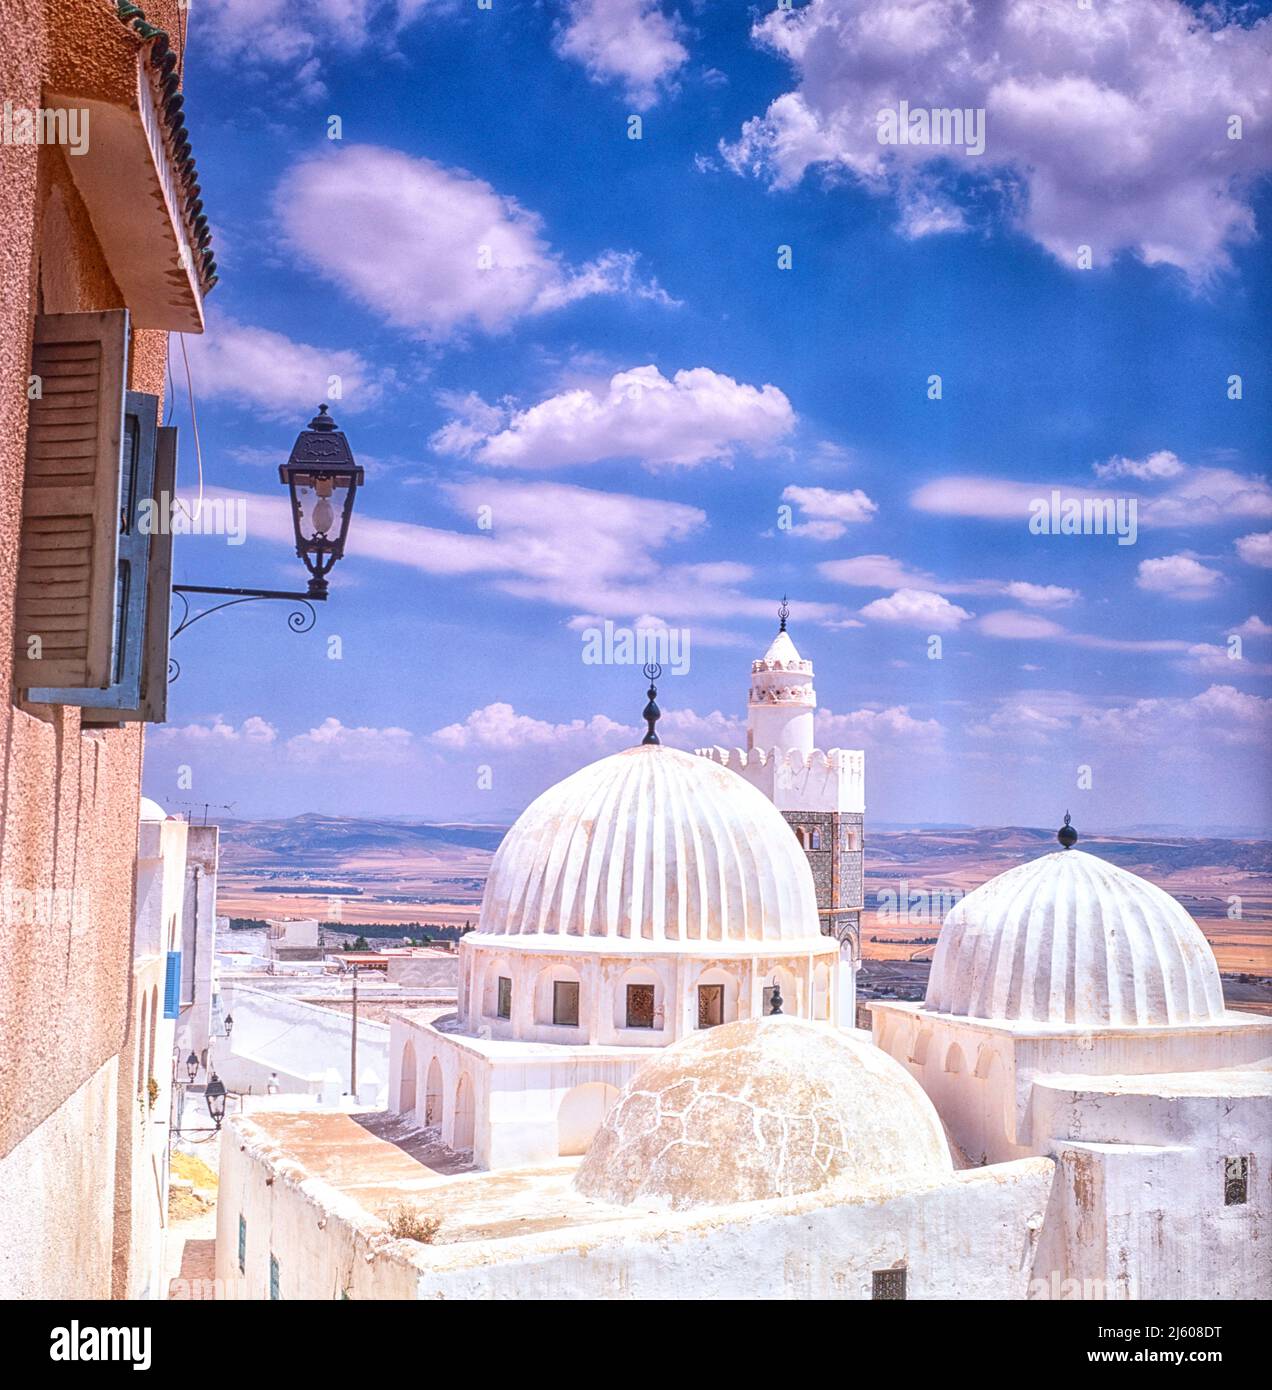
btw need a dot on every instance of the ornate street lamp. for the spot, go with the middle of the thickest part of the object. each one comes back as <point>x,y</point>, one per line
<point>214,1094</point>
<point>323,481</point>
<point>229,1024</point>
<point>192,1067</point>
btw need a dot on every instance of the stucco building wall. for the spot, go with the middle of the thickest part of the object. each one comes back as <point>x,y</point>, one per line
<point>68,798</point>
<point>972,1236</point>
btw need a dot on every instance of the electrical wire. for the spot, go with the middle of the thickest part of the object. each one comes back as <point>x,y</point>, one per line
<point>194,426</point>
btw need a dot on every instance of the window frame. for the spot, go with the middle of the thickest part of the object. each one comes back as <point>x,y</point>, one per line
<point>557,986</point>
<point>503,996</point>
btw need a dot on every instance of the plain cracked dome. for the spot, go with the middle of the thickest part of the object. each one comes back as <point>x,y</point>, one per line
<point>764,1108</point>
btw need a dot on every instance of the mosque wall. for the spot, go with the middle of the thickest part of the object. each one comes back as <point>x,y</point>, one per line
<point>970,1237</point>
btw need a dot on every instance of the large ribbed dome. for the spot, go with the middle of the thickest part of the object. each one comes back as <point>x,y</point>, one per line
<point>653,846</point>
<point>1072,939</point>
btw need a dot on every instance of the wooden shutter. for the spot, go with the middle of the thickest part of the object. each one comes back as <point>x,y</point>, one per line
<point>66,592</point>
<point>139,517</point>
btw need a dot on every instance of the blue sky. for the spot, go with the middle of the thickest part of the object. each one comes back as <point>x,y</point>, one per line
<point>591,336</point>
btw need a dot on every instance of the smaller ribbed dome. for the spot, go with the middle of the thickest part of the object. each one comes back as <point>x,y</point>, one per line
<point>768,1107</point>
<point>1072,939</point>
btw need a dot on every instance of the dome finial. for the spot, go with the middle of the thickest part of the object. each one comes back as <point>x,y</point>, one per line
<point>1067,835</point>
<point>783,613</point>
<point>651,713</point>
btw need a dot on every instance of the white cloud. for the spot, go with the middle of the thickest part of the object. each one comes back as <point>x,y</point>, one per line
<point>886,572</point>
<point>1256,549</point>
<point>216,729</point>
<point>1180,576</point>
<point>893,729</point>
<point>1220,713</point>
<point>289,38</point>
<point>333,741</point>
<point>917,608</point>
<point>1013,625</point>
<point>698,416</point>
<point>1254,626</point>
<point>1039,595</point>
<point>1162,464</point>
<point>1196,497</point>
<point>1021,626</point>
<point>436,251</point>
<point>535,550</point>
<point>499,726</point>
<point>281,379</point>
<point>1105,125</point>
<point>828,513</point>
<point>631,42</point>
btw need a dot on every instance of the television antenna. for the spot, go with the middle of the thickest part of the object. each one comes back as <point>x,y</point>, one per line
<point>207,806</point>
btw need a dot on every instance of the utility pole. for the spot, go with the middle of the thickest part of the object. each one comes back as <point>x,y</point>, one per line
<point>353,1042</point>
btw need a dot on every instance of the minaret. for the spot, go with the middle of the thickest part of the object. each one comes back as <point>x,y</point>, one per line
<point>780,705</point>
<point>820,793</point>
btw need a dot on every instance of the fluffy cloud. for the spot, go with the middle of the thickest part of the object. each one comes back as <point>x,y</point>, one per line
<point>333,741</point>
<point>1254,626</point>
<point>499,726</point>
<point>435,250</point>
<point>1162,464</point>
<point>1256,549</point>
<point>1039,595</point>
<point>885,572</point>
<point>828,513</point>
<point>533,551</point>
<point>917,608</point>
<point>267,36</point>
<point>1104,126</point>
<point>626,41</point>
<point>279,378</point>
<point>216,730</point>
<point>1180,576</point>
<point>698,416</point>
<point>893,729</point>
<point>1220,713</point>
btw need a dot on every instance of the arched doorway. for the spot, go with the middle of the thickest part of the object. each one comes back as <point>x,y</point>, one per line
<point>463,1132</point>
<point>433,1094</point>
<point>406,1080</point>
<point>582,1113</point>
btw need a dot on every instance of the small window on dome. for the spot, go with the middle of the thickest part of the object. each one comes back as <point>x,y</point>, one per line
<point>503,1001</point>
<point>888,1283</point>
<point>814,839</point>
<point>710,1006</point>
<point>1236,1181</point>
<point>640,1006</point>
<point>565,1003</point>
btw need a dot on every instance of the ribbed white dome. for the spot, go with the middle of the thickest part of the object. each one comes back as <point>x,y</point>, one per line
<point>656,846</point>
<point>1072,939</point>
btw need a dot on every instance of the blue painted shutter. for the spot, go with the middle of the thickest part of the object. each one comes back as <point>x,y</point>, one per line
<point>242,1244</point>
<point>273,1277</point>
<point>172,986</point>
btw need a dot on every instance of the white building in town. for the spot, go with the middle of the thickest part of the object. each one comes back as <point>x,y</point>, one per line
<point>820,793</point>
<point>1075,1010</point>
<point>646,896</point>
<point>1071,1113</point>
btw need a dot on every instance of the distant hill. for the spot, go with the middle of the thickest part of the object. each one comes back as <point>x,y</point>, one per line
<point>302,838</point>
